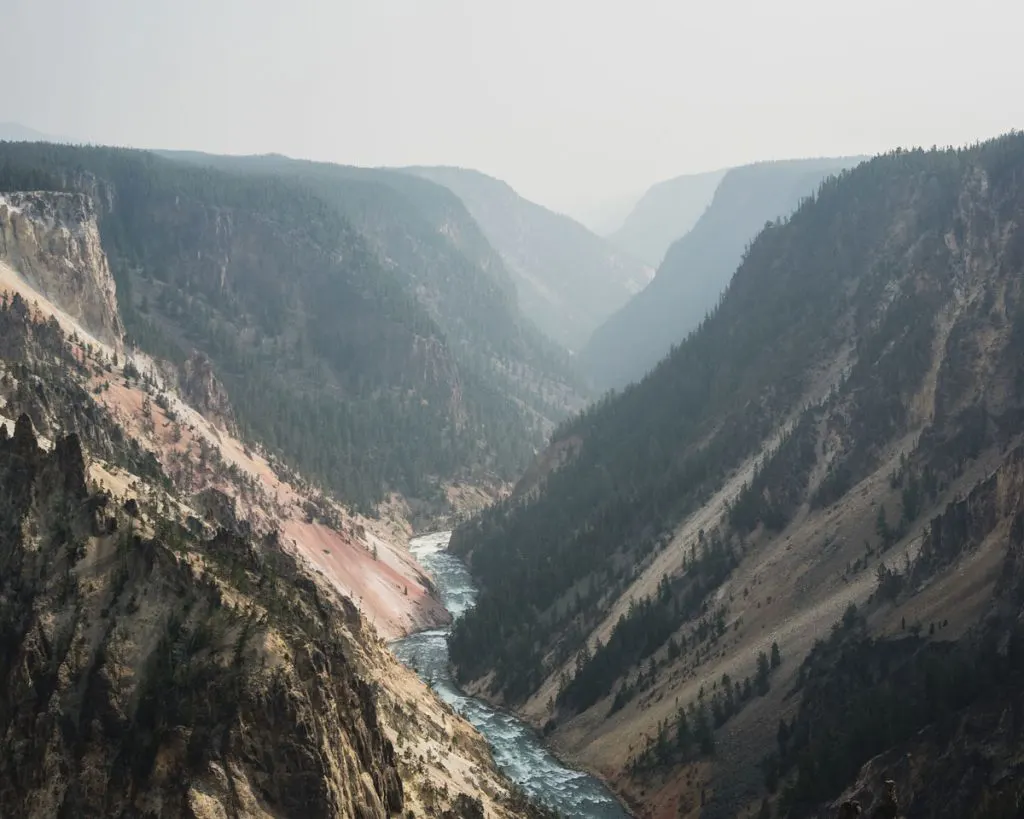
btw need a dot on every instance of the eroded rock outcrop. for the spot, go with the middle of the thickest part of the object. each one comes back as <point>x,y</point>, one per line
<point>161,676</point>
<point>204,391</point>
<point>53,240</point>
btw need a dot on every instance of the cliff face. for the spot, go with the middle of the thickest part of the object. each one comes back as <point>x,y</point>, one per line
<point>204,391</point>
<point>143,674</point>
<point>53,240</point>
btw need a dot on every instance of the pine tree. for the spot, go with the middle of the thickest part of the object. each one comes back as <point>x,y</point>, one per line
<point>882,527</point>
<point>782,736</point>
<point>683,736</point>
<point>763,669</point>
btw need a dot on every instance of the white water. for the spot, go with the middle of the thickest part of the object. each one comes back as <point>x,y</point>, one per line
<point>517,749</point>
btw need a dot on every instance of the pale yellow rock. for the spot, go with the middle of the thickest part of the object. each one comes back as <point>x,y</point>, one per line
<point>53,240</point>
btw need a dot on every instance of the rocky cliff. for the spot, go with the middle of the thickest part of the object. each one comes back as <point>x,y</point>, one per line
<point>53,240</point>
<point>188,628</point>
<point>204,391</point>
<point>145,672</point>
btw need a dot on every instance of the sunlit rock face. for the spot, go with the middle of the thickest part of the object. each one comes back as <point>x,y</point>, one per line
<point>53,240</point>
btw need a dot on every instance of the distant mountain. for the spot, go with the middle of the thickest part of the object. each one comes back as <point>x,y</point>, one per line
<point>666,212</point>
<point>568,279</point>
<point>15,132</point>
<point>697,267</point>
<point>605,216</point>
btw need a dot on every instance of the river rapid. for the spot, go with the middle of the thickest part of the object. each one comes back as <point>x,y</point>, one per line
<point>517,748</point>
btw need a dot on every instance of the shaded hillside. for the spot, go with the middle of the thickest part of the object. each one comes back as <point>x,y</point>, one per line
<point>568,279</point>
<point>163,619</point>
<point>424,233</point>
<point>330,355</point>
<point>698,267</point>
<point>666,212</point>
<point>861,374</point>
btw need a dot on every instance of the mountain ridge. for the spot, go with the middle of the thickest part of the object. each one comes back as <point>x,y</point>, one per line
<point>16,132</point>
<point>568,279</point>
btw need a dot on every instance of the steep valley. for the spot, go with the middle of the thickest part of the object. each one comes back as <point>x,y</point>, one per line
<point>666,212</point>
<point>518,750</point>
<point>233,388</point>
<point>192,627</point>
<point>476,410</point>
<point>568,280</point>
<point>808,511</point>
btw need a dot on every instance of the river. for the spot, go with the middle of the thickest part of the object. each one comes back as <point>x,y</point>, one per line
<point>517,748</point>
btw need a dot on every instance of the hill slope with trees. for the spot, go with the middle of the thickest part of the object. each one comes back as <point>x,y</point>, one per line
<point>809,446</point>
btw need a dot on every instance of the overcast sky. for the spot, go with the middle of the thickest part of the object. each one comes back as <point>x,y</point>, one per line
<point>570,101</point>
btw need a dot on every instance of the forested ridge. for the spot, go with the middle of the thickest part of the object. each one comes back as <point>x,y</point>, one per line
<point>425,232</point>
<point>859,273</point>
<point>332,357</point>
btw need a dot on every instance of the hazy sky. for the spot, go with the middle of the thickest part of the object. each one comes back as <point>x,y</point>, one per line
<point>570,101</point>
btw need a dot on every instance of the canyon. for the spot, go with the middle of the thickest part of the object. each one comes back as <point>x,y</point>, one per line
<point>234,389</point>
